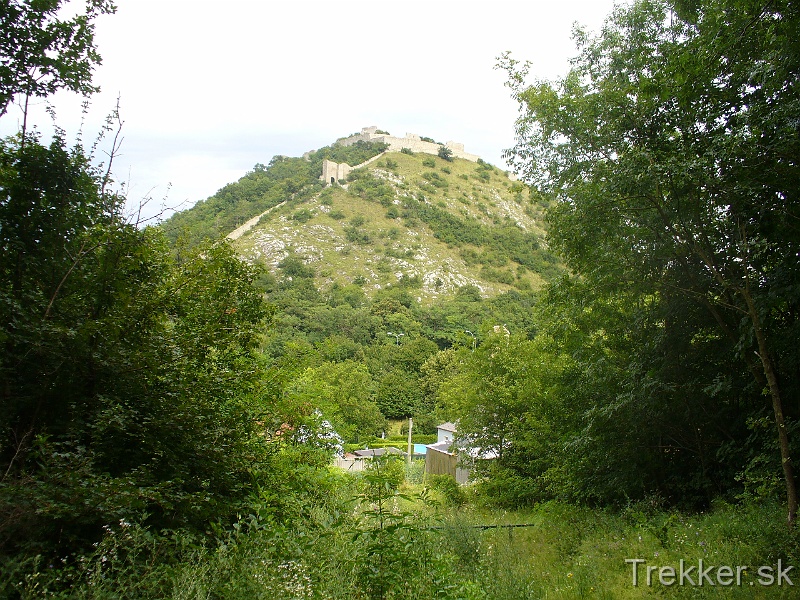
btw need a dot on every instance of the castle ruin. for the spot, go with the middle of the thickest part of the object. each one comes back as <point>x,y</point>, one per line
<point>333,172</point>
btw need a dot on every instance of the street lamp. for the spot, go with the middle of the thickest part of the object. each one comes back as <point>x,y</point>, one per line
<point>473,338</point>
<point>396,336</point>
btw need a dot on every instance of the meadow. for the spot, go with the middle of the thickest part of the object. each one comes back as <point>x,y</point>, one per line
<point>387,533</point>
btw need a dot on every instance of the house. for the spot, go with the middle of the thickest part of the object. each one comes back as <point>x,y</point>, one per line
<point>440,458</point>
<point>373,452</point>
<point>356,461</point>
<point>452,456</point>
<point>445,432</point>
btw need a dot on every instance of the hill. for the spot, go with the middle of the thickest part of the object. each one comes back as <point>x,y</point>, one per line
<point>431,224</point>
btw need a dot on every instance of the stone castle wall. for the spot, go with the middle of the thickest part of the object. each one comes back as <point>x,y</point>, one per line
<point>333,172</point>
<point>411,141</point>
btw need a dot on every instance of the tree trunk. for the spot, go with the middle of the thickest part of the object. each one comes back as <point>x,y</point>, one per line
<point>777,407</point>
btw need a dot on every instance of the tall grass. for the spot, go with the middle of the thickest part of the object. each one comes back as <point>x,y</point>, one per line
<point>380,541</point>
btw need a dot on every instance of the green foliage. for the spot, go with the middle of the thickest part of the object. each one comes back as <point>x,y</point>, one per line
<point>259,190</point>
<point>356,235</point>
<point>371,188</point>
<point>342,391</point>
<point>344,549</point>
<point>445,153</point>
<point>667,204</point>
<point>429,162</point>
<point>354,154</point>
<point>42,52</point>
<point>448,487</point>
<point>121,368</point>
<point>303,216</point>
<point>295,267</point>
<point>435,179</point>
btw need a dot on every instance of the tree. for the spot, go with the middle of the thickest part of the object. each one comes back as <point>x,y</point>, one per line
<point>445,153</point>
<point>342,392</point>
<point>670,148</point>
<point>493,391</point>
<point>126,378</point>
<point>41,53</point>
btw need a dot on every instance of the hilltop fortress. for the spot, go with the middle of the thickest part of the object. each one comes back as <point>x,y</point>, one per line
<point>332,172</point>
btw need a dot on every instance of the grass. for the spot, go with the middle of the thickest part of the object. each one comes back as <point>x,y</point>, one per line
<point>415,544</point>
<point>311,229</point>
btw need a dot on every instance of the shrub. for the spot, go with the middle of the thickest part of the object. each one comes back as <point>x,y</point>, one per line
<point>445,153</point>
<point>383,473</point>
<point>429,162</point>
<point>449,488</point>
<point>357,236</point>
<point>435,179</point>
<point>303,215</point>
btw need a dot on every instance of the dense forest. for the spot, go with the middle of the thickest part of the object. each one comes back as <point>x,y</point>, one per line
<point>171,411</point>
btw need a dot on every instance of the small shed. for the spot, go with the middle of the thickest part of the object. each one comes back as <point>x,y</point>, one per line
<point>441,459</point>
<point>445,456</point>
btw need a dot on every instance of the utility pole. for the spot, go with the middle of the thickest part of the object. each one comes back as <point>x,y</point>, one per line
<point>410,445</point>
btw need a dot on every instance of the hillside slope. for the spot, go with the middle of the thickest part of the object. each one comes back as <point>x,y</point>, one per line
<point>422,222</point>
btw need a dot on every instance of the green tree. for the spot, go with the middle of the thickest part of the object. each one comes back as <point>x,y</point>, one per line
<point>397,394</point>
<point>126,378</point>
<point>492,393</point>
<point>669,148</point>
<point>343,393</point>
<point>41,53</point>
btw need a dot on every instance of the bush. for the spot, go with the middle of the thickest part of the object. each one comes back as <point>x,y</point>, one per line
<point>429,162</point>
<point>435,179</point>
<point>303,215</point>
<point>383,473</point>
<point>445,153</point>
<point>449,488</point>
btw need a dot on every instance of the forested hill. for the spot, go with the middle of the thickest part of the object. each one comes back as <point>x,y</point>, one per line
<point>430,224</point>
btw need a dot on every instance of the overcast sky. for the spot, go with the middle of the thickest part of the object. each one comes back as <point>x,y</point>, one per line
<point>209,89</point>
